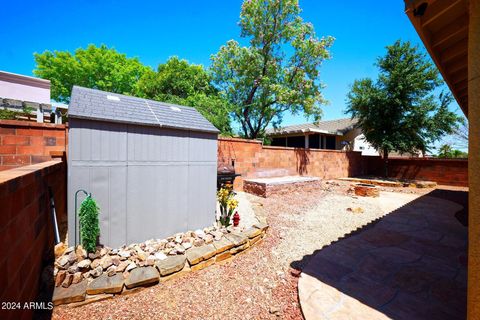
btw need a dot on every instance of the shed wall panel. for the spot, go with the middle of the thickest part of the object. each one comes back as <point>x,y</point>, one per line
<point>157,145</point>
<point>149,182</point>
<point>202,180</point>
<point>202,148</point>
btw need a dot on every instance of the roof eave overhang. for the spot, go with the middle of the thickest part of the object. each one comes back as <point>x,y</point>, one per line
<point>302,131</point>
<point>443,29</point>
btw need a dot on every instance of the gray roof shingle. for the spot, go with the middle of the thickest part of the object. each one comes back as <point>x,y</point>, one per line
<point>105,106</point>
<point>337,127</point>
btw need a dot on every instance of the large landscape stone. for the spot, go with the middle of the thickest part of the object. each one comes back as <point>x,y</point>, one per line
<point>222,245</point>
<point>240,248</point>
<point>237,238</point>
<point>260,225</point>
<point>203,264</point>
<point>74,293</point>
<point>171,264</point>
<point>223,256</point>
<point>255,240</point>
<point>141,277</point>
<point>198,254</point>
<point>106,284</point>
<point>252,232</point>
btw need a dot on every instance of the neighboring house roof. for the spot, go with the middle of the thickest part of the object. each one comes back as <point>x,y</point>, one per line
<point>105,106</point>
<point>337,127</point>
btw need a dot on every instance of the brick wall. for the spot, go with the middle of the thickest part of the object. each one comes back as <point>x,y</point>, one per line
<point>26,232</point>
<point>452,172</point>
<point>254,160</point>
<point>23,143</point>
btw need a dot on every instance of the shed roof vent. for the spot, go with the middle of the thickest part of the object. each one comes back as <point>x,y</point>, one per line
<point>176,109</point>
<point>114,98</point>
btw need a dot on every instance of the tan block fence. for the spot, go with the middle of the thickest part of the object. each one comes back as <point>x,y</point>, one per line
<point>26,232</point>
<point>23,143</point>
<point>253,160</point>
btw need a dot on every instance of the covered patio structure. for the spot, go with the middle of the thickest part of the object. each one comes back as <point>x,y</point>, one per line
<point>450,31</point>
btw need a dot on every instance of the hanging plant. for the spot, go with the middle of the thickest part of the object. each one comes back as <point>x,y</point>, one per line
<point>89,226</point>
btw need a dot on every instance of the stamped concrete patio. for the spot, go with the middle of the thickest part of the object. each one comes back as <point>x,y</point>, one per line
<point>410,264</point>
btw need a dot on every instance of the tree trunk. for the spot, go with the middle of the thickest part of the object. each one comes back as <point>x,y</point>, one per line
<point>385,162</point>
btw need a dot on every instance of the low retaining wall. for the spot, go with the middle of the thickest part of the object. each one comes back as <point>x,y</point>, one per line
<point>452,172</point>
<point>253,160</point>
<point>109,282</point>
<point>24,143</point>
<point>26,233</point>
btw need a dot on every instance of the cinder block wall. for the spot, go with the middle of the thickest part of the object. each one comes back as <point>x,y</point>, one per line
<point>254,160</point>
<point>26,232</point>
<point>23,143</point>
<point>453,172</point>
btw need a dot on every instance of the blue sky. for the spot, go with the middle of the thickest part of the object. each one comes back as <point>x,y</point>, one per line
<point>192,29</point>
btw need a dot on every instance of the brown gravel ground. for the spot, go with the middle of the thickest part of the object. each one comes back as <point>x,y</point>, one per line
<point>257,284</point>
<point>253,285</point>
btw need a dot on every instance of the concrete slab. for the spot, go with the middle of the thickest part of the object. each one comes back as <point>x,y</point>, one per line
<point>282,180</point>
<point>265,187</point>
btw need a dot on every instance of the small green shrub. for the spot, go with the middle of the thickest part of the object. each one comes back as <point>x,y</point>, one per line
<point>89,228</point>
<point>8,114</point>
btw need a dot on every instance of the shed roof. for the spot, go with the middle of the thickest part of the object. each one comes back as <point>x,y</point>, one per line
<point>337,127</point>
<point>112,107</point>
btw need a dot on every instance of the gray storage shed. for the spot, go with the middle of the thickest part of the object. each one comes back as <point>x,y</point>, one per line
<point>151,166</point>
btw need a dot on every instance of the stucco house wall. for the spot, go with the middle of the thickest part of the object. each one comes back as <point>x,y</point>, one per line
<point>24,88</point>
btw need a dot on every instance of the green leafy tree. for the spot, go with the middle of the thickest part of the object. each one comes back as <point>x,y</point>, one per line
<point>399,112</point>
<point>180,82</point>
<point>446,151</point>
<point>175,78</point>
<point>95,67</point>
<point>103,68</point>
<point>89,227</point>
<point>277,72</point>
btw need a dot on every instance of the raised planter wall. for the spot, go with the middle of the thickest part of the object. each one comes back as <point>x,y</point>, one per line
<point>26,232</point>
<point>253,160</point>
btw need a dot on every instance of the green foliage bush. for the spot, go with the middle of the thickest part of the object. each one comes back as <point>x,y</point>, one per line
<point>89,228</point>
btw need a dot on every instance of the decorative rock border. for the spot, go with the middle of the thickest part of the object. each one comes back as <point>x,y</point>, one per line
<point>76,288</point>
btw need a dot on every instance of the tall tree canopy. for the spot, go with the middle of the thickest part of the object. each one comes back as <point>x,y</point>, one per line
<point>95,67</point>
<point>176,78</point>
<point>399,111</point>
<point>180,82</point>
<point>278,72</point>
<point>103,68</point>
